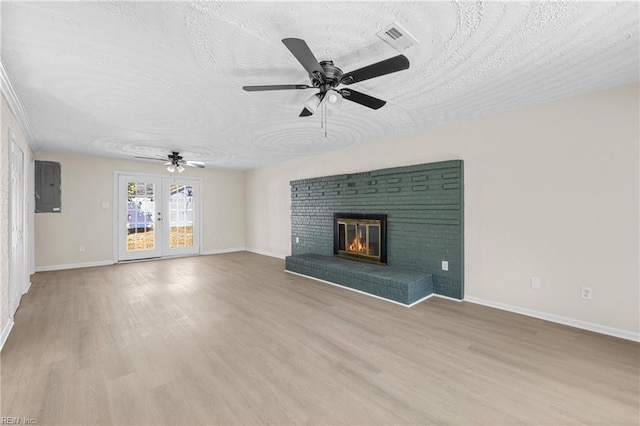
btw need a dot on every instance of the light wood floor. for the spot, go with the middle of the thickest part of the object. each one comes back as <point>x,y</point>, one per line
<point>232,339</point>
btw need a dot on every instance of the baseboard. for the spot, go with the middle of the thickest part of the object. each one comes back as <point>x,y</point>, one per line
<point>597,328</point>
<point>27,287</point>
<point>111,262</point>
<point>221,251</point>
<point>446,297</point>
<point>73,266</point>
<point>428,296</point>
<point>362,292</point>
<point>267,253</point>
<point>5,333</point>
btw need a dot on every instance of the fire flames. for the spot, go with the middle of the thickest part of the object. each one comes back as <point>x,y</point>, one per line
<point>357,245</point>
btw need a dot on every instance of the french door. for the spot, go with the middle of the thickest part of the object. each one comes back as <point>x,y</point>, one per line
<point>157,216</point>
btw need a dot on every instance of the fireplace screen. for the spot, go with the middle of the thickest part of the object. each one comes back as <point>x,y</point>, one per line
<point>360,236</point>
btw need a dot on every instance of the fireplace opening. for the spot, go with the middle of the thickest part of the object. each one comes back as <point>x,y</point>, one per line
<point>361,236</point>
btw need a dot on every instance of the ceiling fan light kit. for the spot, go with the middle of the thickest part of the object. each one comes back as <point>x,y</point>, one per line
<point>326,77</point>
<point>313,103</point>
<point>334,98</point>
<point>176,162</point>
<point>172,168</point>
<point>174,165</point>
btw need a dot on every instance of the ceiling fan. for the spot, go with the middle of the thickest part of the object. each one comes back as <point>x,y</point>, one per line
<point>175,162</point>
<point>326,77</point>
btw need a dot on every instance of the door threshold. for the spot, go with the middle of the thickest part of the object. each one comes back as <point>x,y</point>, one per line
<point>150,259</point>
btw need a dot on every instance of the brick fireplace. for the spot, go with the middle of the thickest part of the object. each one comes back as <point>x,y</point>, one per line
<point>423,206</point>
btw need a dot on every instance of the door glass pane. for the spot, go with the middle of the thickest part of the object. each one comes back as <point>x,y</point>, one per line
<point>141,209</point>
<point>362,238</point>
<point>374,240</point>
<point>351,238</point>
<point>181,216</point>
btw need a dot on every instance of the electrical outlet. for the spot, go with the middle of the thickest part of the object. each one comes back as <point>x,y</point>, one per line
<point>536,282</point>
<point>586,293</point>
<point>445,265</point>
<point>82,249</point>
<point>297,240</point>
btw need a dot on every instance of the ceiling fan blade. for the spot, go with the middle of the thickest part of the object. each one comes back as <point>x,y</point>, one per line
<point>388,66</point>
<point>275,87</point>
<point>198,164</point>
<point>305,113</point>
<point>304,55</point>
<point>362,99</point>
<point>151,158</point>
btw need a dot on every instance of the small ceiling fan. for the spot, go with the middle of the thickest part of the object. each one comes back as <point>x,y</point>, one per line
<point>175,162</point>
<point>326,77</point>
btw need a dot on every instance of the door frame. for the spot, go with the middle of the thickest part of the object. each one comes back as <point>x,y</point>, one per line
<point>18,268</point>
<point>116,207</point>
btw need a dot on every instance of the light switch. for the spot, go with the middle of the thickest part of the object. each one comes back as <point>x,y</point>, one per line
<point>536,282</point>
<point>105,205</point>
<point>445,265</point>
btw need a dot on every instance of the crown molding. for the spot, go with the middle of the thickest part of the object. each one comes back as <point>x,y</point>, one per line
<point>16,106</point>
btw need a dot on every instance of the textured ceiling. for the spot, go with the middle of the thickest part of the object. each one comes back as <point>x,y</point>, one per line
<point>123,79</point>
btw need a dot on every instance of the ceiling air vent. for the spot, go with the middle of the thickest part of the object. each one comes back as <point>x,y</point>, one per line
<point>397,37</point>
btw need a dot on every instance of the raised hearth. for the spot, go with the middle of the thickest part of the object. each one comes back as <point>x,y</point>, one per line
<point>399,285</point>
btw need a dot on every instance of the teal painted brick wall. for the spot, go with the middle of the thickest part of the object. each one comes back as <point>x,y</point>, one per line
<point>424,208</point>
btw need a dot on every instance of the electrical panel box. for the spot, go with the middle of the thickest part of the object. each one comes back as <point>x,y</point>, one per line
<point>48,182</point>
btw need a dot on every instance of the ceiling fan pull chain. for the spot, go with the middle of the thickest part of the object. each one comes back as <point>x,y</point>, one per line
<point>326,120</point>
<point>323,117</point>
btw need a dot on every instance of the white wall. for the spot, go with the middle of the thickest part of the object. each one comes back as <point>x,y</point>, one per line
<point>88,181</point>
<point>550,191</point>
